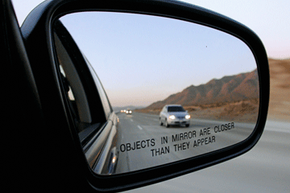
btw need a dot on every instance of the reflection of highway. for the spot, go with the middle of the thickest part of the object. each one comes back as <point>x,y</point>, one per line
<point>143,143</point>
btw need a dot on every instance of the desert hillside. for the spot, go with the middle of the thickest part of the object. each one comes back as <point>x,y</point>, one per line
<point>279,108</point>
<point>234,88</point>
<point>232,98</point>
<point>226,98</point>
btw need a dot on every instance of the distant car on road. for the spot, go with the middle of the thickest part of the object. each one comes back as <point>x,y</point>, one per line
<point>129,112</point>
<point>174,115</point>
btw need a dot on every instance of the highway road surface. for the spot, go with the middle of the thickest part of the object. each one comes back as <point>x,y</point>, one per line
<point>143,143</point>
<point>265,169</point>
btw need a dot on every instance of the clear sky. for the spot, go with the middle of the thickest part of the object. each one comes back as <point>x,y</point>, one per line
<point>141,59</point>
<point>154,51</point>
<point>269,19</point>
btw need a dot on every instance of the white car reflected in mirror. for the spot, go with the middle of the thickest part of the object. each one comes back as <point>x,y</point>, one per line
<point>174,115</point>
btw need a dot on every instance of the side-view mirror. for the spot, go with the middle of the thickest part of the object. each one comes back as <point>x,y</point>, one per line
<point>116,64</point>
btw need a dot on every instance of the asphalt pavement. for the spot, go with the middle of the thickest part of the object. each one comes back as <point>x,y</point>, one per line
<point>143,143</point>
<point>265,168</point>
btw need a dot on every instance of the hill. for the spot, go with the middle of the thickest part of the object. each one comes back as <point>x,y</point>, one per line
<point>228,89</point>
<point>212,100</point>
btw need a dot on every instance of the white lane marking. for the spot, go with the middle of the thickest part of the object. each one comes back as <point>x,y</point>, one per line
<point>140,127</point>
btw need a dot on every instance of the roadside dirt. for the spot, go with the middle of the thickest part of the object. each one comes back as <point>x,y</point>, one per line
<point>242,111</point>
<point>279,108</point>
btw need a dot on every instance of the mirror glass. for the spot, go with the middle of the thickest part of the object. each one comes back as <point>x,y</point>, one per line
<point>177,89</point>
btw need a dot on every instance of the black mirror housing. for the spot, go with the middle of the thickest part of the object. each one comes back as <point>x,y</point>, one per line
<point>38,34</point>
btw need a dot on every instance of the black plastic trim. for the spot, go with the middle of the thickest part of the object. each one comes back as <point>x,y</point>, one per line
<point>38,25</point>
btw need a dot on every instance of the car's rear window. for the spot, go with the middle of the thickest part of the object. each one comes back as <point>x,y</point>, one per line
<point>176,109</point>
